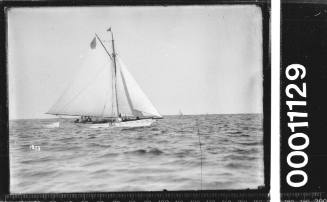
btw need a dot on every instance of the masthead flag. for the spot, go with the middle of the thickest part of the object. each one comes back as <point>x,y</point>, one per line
<point>93,43</point>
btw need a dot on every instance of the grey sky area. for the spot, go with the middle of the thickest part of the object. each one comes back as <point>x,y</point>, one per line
<point>196,59</point>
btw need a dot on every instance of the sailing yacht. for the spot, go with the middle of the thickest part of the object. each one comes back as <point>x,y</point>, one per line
<point>104,93</point>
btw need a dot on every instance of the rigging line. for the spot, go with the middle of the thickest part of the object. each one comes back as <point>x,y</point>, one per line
<point>115,66</point>
<point>106,102</point>
<point>103,45</point>
<point>112,91</point>
<point>197,123</point>
<point>68,87</point>
<point>85,87</point>
<point>127,91</point>
<point>82,115</point>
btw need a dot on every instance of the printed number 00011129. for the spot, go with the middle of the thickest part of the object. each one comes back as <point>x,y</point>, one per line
<point>297,72</point>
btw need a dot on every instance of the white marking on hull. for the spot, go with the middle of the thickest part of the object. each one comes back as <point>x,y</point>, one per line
<point>126,124</point>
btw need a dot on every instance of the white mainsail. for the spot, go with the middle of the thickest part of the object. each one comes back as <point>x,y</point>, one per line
<point>93,93</point>
<point>90,94</point>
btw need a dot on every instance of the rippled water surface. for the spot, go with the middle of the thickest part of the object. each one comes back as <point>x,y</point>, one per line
<point>76,158</point>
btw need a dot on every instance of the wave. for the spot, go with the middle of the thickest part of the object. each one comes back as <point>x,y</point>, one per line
<point>153,151</point>
<point>39,160</point>
<point>155,129</point>
<point>235,132</point>
<point>74,157</point>
<point>220,184</point>
<point>66,138</point>
<point>53,125</point>
<point>245,150</point>
<point>185,152</point>
<point>239,157</point>
<point>110,155</point>
<point>100,171</point>
<point>237,165</point>
<point>42,173</point>
<point>94,144</point>
<point>250,143</point>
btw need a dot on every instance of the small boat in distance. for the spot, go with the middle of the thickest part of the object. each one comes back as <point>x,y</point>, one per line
<point>104,93</point>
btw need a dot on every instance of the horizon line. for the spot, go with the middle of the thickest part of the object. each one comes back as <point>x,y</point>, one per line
<point>162,115</point>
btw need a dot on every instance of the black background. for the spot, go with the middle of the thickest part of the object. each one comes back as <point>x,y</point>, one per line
<point>304,41</point>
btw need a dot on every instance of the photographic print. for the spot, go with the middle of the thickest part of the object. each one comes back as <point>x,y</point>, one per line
<point>135,98</point>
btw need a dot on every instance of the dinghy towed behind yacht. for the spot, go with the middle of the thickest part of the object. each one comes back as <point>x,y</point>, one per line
<point>104,93</point>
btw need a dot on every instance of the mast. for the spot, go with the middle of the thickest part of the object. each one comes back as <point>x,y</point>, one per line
<point>115,68</point>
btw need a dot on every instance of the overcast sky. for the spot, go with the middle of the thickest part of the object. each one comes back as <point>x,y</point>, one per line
<point>197,59</point>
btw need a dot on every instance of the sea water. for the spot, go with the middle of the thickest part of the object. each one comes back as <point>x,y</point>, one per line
<point>76,158</point>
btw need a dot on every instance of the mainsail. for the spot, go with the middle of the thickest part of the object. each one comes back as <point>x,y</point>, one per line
<point>94,90</point>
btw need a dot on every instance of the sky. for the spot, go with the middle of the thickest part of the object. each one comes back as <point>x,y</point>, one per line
<point>197,59</point>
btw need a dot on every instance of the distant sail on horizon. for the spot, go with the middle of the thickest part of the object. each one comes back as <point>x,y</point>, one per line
<point>104,88</point>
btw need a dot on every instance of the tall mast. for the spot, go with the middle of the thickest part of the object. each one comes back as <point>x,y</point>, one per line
<point>115,68</point>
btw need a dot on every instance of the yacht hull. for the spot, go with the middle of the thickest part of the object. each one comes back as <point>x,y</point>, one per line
<point>125,124</point>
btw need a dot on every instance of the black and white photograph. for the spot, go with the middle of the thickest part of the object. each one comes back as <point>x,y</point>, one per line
<point>135,98</point>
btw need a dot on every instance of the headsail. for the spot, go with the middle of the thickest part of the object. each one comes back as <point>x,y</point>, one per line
<point>139,103</point>
<point>125,106</point>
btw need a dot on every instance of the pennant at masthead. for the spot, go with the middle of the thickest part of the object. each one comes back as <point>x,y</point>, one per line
<point>93,43</point>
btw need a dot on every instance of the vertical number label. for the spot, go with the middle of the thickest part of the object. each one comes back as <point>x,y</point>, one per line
<point>297,115</point>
